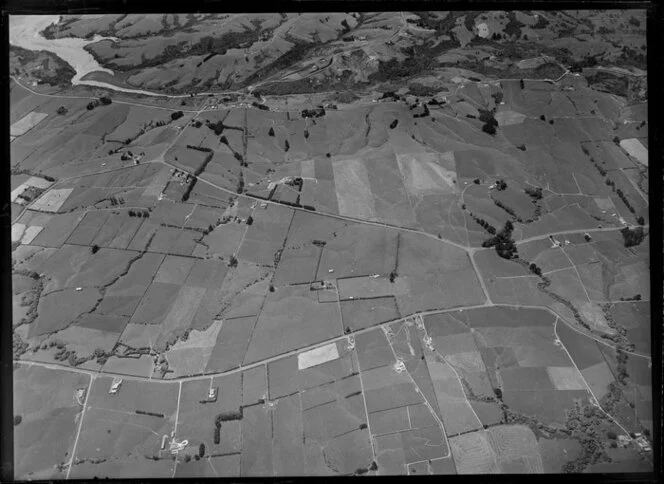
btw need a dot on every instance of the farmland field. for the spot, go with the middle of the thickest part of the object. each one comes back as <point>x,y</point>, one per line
<point>330,244</point>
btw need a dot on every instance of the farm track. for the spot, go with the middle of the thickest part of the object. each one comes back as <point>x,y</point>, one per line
<point>80,424</point>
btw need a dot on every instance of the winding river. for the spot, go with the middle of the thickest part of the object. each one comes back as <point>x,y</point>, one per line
<point>25,31</point>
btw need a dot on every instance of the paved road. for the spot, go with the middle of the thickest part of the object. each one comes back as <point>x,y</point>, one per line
<point>575,231</point>
<point>241,368</point>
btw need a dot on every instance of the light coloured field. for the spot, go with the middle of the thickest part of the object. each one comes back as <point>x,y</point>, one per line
<point>424,172</point>
<point>473,454</point>
<point>52,200</point>
<point>191,356</point>
<point>458,416</point>
<point>593,314</point>
<point>530,63</point>
<point>467,361</point>
<point>566,378</point>
<point>37,182</point>
<point>18,230</point>
<point>158,184</point>
<point>26,123</point>
<point>353,189</point>
<point>636,150</point>
<point>514,442</point>
<point>605,204</point>
<point>30,234</point>
<point>509,117</point>
<point>317,356</point>
<point>308,169</point>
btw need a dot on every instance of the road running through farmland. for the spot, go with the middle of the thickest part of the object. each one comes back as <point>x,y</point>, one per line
<point>94,374</point>
<point>241,368</point>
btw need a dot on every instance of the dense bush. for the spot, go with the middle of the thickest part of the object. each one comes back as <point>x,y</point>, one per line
<point>313,113</point>
<point>632,237</point>
<point>535,193</point>
<point>503,242</point>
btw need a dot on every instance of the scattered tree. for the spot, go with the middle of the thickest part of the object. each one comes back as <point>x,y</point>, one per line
<point>521,83</point>
<point>176,115</point>
<point>232,262</point>
<point>271,132</point>
<point>105,100</point>
<point>611,434</point>
<point>286,145</point>
<point>95,249</point>
<point>393,276</point>
<point>62,110</point>
<point>522,147</point>
<point>271,288</point>
<point>250,220</point>
<point>201,450</point>
<point>17,419</point>
<point>640,221</point>
<point>476,181</point>
<point>394,123</point>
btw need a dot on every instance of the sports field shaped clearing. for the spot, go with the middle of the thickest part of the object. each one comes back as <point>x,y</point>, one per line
<point>635,149</point>
<point>428,173</point>
<point>52,200</point>
<point>46,401</point>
